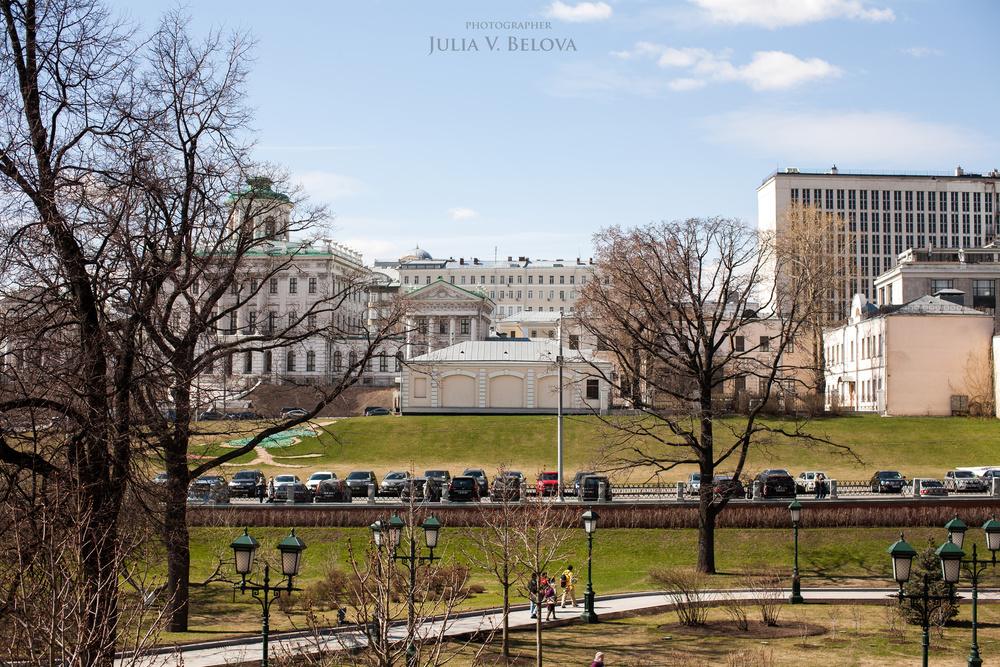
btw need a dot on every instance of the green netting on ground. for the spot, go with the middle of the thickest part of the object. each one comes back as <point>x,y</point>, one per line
<point>283,439</point>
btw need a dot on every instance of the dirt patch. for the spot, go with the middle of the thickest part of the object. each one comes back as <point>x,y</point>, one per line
<point>754,631</point>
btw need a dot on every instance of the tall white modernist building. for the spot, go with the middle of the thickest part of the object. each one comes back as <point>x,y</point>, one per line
<point>886,214</point>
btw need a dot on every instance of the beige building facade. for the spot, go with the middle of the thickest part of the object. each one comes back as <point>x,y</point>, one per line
<point>905,360</point>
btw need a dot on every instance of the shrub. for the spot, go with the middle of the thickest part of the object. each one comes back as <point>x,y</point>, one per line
<point>927,566</point>
<point>686,589</point>
<point>764,585</point>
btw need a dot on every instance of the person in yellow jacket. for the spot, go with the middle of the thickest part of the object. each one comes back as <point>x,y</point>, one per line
<point>566,582</point>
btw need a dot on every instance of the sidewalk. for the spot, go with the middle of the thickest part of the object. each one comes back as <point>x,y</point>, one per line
<point>231,652</point>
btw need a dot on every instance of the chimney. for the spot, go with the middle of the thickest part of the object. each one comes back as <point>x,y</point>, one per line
<point>510,259</point>
<point>461,261</point>
<point>959,171</point>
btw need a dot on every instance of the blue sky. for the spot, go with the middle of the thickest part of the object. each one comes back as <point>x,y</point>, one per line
<point>633,111</point>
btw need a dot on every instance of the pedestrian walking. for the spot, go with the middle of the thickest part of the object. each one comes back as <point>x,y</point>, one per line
<point>566,583</point>
<point>533,595</point>
<point>598,660</point>
<point>261,489</point>
<point>550,602</point>
<point>270,489</point>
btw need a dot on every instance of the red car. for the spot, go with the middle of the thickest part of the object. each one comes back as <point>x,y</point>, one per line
<point>548,484</point>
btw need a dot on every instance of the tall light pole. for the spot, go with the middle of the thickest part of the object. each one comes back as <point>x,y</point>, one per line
<point>590,518</point>
<point>244,548</point>
<point>559,419</point>
<point>796,511</point>
<point>392,533</point>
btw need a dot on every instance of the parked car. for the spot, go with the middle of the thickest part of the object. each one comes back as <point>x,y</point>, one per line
<point>333,491</point>
<point>547,484</point>
<point>292,412</point>
<point>209,488</point>
<point>244,483</point>
<point>693,482</point>
<point>481,480</point>
<point>393,482</point>
<point>376,411</point>
<point>577,478</point>
<point>806,481</point>
<point>211,416</point>
<point>727,486</point>
<point>506,487</point>
<point>360,480</point>
<point>243,415</point>
<point>887,481</point>
<point>160,479</point>
<point>776,484</point>
<point>299,491</point>
<point>317,477</point>
<point>281,480</point>
<point>590,488</point>
<point>964,480</point>
<point>928,487</point>
<point>463,488</point>
<point>442,477</point>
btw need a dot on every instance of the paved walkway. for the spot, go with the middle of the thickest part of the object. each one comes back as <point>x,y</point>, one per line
<point>230,652</point>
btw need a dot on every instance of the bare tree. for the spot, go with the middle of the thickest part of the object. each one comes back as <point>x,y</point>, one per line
<point>496,547</point>
<point>814,260</point>
<point>541,534</point>
<point>677,306</point>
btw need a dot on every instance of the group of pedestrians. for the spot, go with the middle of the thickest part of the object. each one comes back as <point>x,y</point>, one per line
<point>265,491</point>
<point>542,592</point>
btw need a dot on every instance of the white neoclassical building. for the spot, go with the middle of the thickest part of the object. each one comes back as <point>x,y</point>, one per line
<point>504,376</point>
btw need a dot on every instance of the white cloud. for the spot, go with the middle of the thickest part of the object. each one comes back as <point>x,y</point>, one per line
<point>779,13</point>
<point>922,51</point>
<point>462,213</point>
<point>876,137</point>
<point>579,13</point>
<point>324,186</point>
<point>768,70</point>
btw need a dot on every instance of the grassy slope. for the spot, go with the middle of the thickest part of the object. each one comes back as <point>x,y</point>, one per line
<point>918,447</point>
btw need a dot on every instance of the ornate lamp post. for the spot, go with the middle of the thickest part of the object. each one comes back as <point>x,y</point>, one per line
<point>590,518</point>
<point>956,535</point>
<point>391,534</point>
<point>244,549</point>
<point>902,555</point>
<point>796,511</point>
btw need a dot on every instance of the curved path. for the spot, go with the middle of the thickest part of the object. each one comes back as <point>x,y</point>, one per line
<point>234,651</point>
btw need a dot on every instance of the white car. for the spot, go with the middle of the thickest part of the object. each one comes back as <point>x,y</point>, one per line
<point>964,480</point>
<point>317,478</point>
<point>693,482</point>
<point>806,481</point>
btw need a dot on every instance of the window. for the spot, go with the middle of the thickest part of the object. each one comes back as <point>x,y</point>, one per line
<point>593,390</point>
<point>421,326</point>
<point>231,329</point>
<point>293,285</point>
<point>562,280</point>
<point>466,325</point>
<point>267,361</point>
<point>312,322</point>
<point>290,362</point>
<point>253,285</point>
<point>552,280</point>
<point>519,294</point>
<point>292,318</point>
<point>463,280</point>
<point>531,294</point>
<point>443,326</point>
<point>765,343</point>
<point>272,286</point>
<point>248,363</point>
<point>983,294</point>
<point>531,280</point>
<point>562,295</point>
<point>739,384</point>
<point>574,342</point>
<point>338,361</point>
<point>312,285</point>
<point>310,361</point>
<point>938,285</point>
<point>739,344</point>
<point>272,322</point>
<point>251,321</point>
<point>352,360</point>
<point>399,361</point>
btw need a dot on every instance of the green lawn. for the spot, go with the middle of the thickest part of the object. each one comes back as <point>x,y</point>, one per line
<point>918,447</point>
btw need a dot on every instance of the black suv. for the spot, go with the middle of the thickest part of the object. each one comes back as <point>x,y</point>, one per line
<point>481,481</point>
<point>776,484</point>
<point>463,489</point>
<point>590,488</point>
<point>244,483</point>
<point>360,480</point>
<point>887,481</point>
<point>507,486</point>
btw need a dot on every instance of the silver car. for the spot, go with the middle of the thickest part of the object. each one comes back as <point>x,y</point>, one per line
<point>964,480</point>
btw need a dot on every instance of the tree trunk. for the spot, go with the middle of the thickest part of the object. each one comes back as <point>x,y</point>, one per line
<point>178,556</point>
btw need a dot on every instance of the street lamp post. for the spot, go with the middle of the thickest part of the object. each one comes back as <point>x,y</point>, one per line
<point>590,518</point>
<point>245,548</point>
<point>392,534</point>
<point>902,555</point>
<point>975,567</point>
<point>796,511</point>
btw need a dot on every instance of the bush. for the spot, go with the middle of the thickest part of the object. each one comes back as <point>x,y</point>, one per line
<point>686,589</point>
<point>766,593</point>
